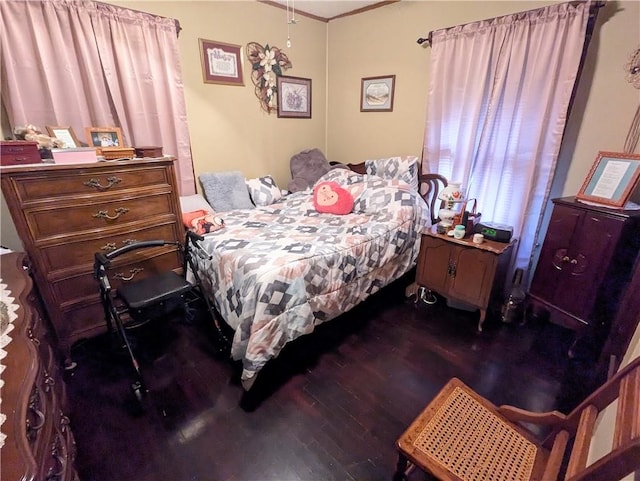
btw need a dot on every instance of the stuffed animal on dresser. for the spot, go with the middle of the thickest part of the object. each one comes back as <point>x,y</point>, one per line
<point>31,133</point>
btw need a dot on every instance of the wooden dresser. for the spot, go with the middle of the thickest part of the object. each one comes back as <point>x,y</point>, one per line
<point>65,213</point>
<point>39,443</point>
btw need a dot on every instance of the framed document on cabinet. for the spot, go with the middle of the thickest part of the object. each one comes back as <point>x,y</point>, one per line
<point>612,179</point>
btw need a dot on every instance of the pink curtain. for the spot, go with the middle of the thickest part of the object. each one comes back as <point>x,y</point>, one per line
<point>86,64</point>
<point>498,102</point>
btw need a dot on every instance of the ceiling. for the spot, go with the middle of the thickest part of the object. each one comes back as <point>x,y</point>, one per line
<point>328,9</point>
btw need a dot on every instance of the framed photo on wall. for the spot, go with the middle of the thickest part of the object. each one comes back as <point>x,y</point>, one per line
<point>376,93</point>
<point>221,62</point>
<point>612,179</point>
<point>294,97</point>
<point>65,134</point>
<point>104,137</point>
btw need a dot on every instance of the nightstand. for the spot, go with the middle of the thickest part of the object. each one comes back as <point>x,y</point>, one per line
<point>462,271</point>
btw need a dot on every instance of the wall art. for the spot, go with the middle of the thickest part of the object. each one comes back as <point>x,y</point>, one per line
<point>267,64</point>
<point>221,62</point>
<point>376,94</point>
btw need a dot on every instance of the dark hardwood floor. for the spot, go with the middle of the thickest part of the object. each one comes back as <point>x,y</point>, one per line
<point>330,407</point>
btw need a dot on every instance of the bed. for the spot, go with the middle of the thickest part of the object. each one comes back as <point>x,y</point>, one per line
<point>275,272</point>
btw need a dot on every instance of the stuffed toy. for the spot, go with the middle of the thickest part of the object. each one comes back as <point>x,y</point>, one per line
<point>202,222</point>
<point>330,198</point>
<point>31,133</point>
<point>306,168</point>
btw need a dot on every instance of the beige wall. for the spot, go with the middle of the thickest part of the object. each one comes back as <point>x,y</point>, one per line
<point>228,129</point>
<point>383,42</point>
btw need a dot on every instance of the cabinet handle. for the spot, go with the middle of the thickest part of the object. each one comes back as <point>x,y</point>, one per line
<point>111,181</point>
<point>574,261</point>
<point>451,270</point>
<point>132,272</point>
<point>103,214</point>
<point>48,382</point>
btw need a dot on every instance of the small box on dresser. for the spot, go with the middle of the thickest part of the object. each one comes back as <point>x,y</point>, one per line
<point>19,152</point>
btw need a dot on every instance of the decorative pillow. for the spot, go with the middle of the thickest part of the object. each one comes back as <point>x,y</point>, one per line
<point>263,190</point>
<point>202,221</point>
<point>400,168</point>
<point>226,190</point>
<point>330,198</point>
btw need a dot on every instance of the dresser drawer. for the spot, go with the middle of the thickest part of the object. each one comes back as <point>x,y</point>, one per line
<point>89,216</point>
<point>78,182</point>
<point>80,288</point>
<point>84,249</point>
<point>19,152</point>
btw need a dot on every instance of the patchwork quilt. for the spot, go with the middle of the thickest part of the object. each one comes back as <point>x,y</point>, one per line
<point>277,271</point>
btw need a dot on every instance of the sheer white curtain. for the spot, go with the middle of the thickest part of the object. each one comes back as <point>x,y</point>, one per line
<point>89,64</point>
<point>498,101</point>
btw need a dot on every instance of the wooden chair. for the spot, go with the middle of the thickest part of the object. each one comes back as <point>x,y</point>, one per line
<point>462,436</point>
<point>429,186</point>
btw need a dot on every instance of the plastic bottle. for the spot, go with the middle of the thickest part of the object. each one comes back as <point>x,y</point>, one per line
<point>513,308</point>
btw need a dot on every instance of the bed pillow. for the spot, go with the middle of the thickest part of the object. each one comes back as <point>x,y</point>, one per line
<point>263,190</point>
<point>225,190</point>
<point>330,198</point>
<point>398,168</point>
<point>190,203</point>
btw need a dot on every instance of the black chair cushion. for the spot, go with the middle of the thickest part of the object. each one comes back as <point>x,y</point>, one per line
<point>153,290</point>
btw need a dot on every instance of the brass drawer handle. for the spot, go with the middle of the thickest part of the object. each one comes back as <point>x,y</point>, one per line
<point>103,214</point>
<point>111,181</point>
<point>133,272</point>
<point>41,419</point>
<point>111,246</point>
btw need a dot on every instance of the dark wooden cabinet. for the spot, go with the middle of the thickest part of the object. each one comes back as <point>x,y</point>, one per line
<point>585,267</point>
<point>66,213</point>
<point>39,443</point>
<point>461,271</point>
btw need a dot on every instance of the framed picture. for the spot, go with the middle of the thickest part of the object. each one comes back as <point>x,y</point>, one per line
<point>104,137</point>
<point>65,134</point>
<point>376,94</point>
<point>221,62</point>
<point>294,97</point>
<point>612,178</point>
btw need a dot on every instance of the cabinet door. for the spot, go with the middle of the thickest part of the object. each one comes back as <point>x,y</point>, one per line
<point>434,266</point>
<point>549,274</point>
<point>473,275</point>
<point>585,265</point>
<point>575,256</point>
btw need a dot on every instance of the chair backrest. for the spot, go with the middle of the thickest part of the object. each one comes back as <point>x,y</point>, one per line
<point>429,186</point>
<point>624,456</point>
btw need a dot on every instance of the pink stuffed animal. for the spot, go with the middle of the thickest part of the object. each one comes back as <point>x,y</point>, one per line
<point>330,198</point>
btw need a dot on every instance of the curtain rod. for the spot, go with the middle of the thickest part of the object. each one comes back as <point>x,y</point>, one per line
<point>175,20</point>
<point>428,38</point>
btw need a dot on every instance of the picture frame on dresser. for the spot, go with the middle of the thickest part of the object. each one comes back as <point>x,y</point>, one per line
<point>611,180</point>
<point>104,137</point>
<point>66,134</point>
